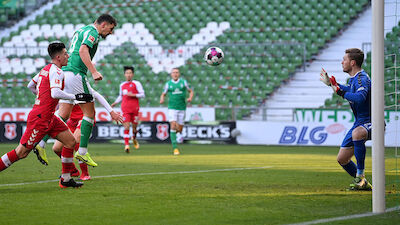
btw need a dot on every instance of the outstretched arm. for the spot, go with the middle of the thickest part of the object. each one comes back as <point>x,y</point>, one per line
<point>344,87</point>
<point>114,115</point>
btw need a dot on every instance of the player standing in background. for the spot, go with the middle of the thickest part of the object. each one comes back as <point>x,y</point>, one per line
<point>83,47</point>
<point>41,119</point>
<point>176,89</point>
<point>129,93</point>
<point>358,93</point>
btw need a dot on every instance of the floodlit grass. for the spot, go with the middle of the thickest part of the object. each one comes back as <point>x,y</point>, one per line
<point>260,185</point>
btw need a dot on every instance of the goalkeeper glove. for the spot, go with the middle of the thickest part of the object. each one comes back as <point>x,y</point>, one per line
<point>323,76</point>
<point>84,97</point>
<point>336,87</point>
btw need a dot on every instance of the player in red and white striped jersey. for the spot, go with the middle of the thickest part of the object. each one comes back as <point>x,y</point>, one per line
<point>74,124</point>
<point>41,119</point>
<point>129,93</point>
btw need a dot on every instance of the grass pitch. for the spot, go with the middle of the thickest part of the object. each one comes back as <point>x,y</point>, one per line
<point>207,184</point>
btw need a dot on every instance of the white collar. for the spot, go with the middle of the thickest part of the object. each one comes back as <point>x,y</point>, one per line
<point>175,82</point>
<point>94,27</point>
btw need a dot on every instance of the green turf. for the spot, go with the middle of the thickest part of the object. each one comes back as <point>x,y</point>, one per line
<point>297,184</point>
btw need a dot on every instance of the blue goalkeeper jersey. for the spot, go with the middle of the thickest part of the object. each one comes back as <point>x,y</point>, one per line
<point>358,93</point>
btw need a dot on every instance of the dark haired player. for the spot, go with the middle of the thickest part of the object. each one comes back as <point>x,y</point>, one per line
<point>129,93</point>
<point>82,49</point>
<point>41,119</point>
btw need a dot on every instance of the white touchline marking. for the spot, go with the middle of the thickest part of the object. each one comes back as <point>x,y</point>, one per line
<point>144,174</point>
<point>355,216</point>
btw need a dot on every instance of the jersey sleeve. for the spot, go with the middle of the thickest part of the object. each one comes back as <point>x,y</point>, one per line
<point>344,87</point>
<point>187,85</point>
<point>32,84</point>
<point>56,77</point>
<point>362,86</point>
<point>90,37</point>
<point>35,78</point>
<point>140,90</point>
<point>165,90</point>
<point>102,100</point>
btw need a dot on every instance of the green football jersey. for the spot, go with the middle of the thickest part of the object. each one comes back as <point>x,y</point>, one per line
<point>87,35</point>
<point>177,93</point>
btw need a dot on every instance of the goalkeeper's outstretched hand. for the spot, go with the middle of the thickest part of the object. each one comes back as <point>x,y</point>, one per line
<point>323,76</point>
<point>335,86</point>
<point>84,97</point>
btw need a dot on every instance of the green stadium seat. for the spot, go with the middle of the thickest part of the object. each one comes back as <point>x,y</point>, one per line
<point>174,22</point>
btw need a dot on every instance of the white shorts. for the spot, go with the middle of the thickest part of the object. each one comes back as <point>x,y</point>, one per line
<point>75,84</point>
<point>176,115</point>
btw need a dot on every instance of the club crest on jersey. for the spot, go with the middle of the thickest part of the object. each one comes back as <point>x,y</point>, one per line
<point>10,131</point>
<point>91,39</point>
<point>177,91</point>
<point>162,131</point>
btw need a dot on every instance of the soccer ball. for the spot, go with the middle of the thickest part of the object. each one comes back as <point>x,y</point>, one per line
<point>214,56</point>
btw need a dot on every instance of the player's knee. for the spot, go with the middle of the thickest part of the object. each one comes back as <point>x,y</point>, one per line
<point>179,129</point>
<point>57,148</point>
<point>342,161</point>
<point>70,143</point>
<point>359,134</point>
<point>22,151</point>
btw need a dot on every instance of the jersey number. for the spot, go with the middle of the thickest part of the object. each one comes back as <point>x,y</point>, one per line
<point>73,43</point>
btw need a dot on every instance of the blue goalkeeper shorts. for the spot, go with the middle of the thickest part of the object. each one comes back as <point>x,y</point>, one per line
<point>348,140</point>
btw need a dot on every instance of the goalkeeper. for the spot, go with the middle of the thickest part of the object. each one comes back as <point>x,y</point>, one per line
<point>358,93</point>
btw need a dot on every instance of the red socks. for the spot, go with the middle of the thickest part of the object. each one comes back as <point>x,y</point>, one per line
<point>67,160</point>
<point>126,137</point>
<point>8,159</point>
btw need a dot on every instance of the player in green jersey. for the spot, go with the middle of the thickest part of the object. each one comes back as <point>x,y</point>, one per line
<point>176,89</point>
<point>82,49</point>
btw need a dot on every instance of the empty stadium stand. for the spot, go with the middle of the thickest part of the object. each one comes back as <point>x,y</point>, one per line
<point>265,43</point>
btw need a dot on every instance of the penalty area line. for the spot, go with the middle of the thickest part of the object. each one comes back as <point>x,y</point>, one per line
<point>146,174</point>
<point>349,217</point>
